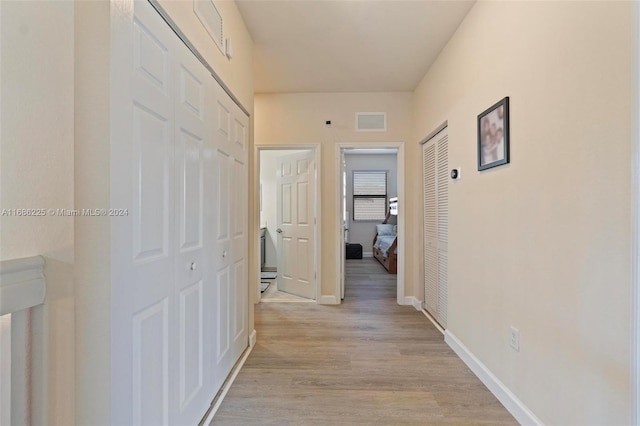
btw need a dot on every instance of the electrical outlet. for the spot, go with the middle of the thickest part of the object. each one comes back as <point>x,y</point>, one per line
<point>514,338</point>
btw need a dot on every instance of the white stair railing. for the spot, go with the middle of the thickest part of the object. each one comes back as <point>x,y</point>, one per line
<point>22,286</point>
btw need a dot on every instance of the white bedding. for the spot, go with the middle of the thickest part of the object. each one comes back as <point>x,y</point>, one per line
<point>383,242</point>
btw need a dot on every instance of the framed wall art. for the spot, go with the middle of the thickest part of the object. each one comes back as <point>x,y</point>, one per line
<point>493,135</point>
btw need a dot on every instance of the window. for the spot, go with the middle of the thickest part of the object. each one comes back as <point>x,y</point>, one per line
<point>370,195</point>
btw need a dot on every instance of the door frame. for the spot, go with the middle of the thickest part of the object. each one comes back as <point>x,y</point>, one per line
<point>402,241</point>
<point>317,245</point>
<point>635,225</point>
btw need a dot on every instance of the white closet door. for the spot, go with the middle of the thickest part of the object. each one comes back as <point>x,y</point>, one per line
<point>436,225</point>
<point>430,228</point>
<point>238,324</point>
<point>222,260</point>
<point>191,138</point>
<point>179,299</point>
<point>231,248</point>
<point>142,281</point>
<point>442,191</point>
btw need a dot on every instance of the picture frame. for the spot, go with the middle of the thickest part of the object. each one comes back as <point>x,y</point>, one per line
<point>493,135</point>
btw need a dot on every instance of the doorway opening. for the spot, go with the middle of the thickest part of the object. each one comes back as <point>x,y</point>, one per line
<point>288,211</point>
<point>371,191</point>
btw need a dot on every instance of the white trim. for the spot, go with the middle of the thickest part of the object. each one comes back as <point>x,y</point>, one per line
<point>433,320</point>
<point>317,150</point>
<point>434,132</point>
<point>227,385</point>
<point>328,300</point>
<point>522,414</point>
<point>635,225</point>
<point>412,301</point>
<point>402,241</point>
<point>5,369</point>
<point>252,338</point>
<point>367,254</point>
<point>22,284</point>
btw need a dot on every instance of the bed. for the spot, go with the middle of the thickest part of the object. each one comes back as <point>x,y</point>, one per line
<point>385,243</point>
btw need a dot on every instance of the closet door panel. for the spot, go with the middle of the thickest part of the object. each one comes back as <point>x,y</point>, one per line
<point>191,401</point>
<point>430,228</point>
<point>142,241</point>
<point>223,255</point>
<point>239,258</point>
<point>443,227</point>
<point>436,225</point>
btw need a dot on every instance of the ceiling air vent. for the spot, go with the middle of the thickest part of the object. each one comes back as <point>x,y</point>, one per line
<point>211,20</point>
<point>371,121</point>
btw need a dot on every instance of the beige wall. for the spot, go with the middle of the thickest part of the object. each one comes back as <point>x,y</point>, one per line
<point>298,119</point>
<point>36,172</point>
<point>237,73</point>
<point>543,243</point>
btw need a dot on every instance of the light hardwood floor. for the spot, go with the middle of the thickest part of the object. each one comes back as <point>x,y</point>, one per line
<point>367,361</point>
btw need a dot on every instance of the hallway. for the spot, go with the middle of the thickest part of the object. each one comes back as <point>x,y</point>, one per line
<point>367,361</point>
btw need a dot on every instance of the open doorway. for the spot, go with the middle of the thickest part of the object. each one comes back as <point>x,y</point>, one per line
<point>288,204</point>
<point>371,192</point>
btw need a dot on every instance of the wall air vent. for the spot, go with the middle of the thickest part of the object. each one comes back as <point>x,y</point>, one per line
<point>371,121</point>
<point>211,20</point>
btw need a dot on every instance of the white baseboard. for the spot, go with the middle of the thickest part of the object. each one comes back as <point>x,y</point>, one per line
<point>412,301</point>
<point>226,386</point>
<point>328,300</point>
<point>522,414</point>
<point>433,320</point>
<point>252,339</point>
<point>367,254</point>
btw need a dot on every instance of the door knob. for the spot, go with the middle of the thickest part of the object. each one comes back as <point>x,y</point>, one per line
<point>279,231</point>
<point>193,266</point>
<point>224,254</point>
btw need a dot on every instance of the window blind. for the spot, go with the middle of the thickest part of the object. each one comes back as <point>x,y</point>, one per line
<point>369,195</point>
<point>370,183</point>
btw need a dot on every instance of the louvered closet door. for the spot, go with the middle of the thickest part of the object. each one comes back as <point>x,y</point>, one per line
<point>436,225</point>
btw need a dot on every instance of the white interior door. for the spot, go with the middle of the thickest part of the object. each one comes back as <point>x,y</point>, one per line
<point>296,224</point>
<point>436,225</point>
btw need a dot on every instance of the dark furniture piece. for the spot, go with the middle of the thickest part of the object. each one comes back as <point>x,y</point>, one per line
<point>354,251</point>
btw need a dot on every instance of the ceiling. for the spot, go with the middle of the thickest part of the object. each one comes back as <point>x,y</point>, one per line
<point>347,45</point>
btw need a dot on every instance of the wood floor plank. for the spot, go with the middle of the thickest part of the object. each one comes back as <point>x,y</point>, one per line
<point>366,361</point>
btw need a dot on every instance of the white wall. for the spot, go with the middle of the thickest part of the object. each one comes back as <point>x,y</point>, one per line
<point>543,243</point>
<point>269,212</point>
<point>36,172</point>
<point>362,232</point>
